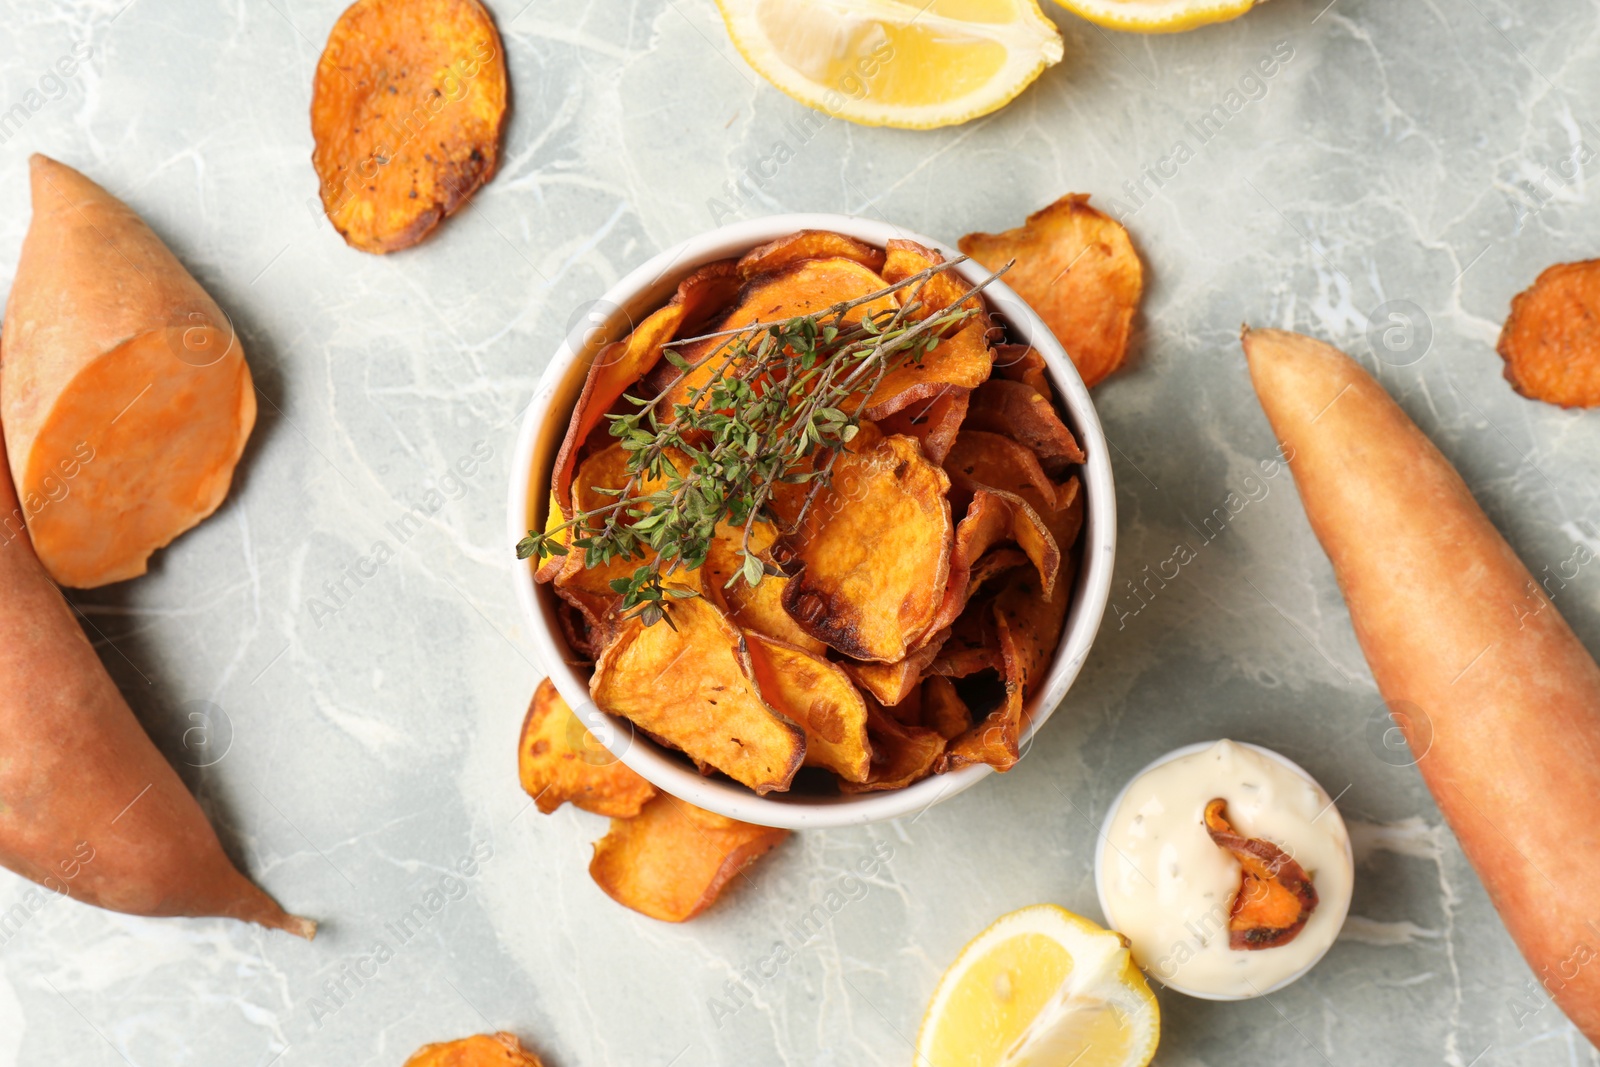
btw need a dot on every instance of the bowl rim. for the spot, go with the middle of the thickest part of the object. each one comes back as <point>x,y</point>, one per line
<point>1189,750</point>
<point>645,288</point>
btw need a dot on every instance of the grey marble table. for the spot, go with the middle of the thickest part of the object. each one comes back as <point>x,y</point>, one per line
<point>1430,156</point>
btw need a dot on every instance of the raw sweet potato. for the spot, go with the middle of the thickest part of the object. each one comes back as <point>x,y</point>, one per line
<point>406,110</point>
<point>126,400</point>
<point>90,808</point>
<point>480,1050</point>
<point>1452,622</point>
<point>559,760</point>
<point>672,861</point>
<point>1551,339</point>
<point>1077,268</point>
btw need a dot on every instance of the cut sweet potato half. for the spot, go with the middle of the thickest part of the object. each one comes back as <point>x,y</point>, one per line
<point>817,695</point>
<point>1551,339</point>
<point>126,400</point>
<point>673,860</point>
<point>688,679</point>
<point>790,249</point>
<point>559,760</point>
<point>873,553</point>
<point>407,107</point>
<point>1275,897</point>
<point>1077,268</point>
<point>480,1050</point>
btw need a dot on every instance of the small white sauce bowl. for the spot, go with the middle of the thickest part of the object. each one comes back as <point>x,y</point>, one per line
<point>545,423</point>
<point>1105,838</point>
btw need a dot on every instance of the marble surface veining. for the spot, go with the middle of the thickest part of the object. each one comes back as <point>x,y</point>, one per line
<point>1430,156</point>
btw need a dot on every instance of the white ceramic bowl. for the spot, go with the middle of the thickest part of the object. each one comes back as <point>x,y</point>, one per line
<point>545,423</point>
<point>1189,750</point>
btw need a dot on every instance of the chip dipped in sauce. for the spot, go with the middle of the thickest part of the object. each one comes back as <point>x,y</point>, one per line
<point>1177,889</point>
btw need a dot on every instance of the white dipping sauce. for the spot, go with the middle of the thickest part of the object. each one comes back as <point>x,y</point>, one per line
<point>1169,888</point>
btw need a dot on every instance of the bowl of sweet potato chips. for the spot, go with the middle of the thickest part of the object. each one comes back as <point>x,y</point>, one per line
<point>816,521</point>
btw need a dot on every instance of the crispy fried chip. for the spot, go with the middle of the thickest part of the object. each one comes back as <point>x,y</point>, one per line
<point>558,760</point>
<point>808,244</point>
<point>809,287</point>
<point>940,291</point>
<point>892,683</point>
<point>961,360</point>
<point>943,710</point>
<point>1078,270</point>
<point>687,679</point>
<point>1022,363</point>
<point>1275,896</point>
<point>992,517</point>
<point>1020,412</point>
<point>817,695</point>
<point>1551,339</point>
<point>934,421</point>
<point>873,553</point>
<point>673,859</point>
<point>480,1050</point>
<point>621,363</point>
<point>900,754</point>
<point>988,460</point>
<point>406,110</point>
<point>973,645</point>
<point>754,608</point>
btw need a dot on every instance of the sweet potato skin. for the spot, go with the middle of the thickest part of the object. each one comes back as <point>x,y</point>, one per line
<point>90,808</point>
<point>126,399</point>
<point>1451,621</point>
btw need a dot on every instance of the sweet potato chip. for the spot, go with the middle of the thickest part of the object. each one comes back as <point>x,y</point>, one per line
<point>1022,363</point>
<point>786,251</point>
<point>672,861</point>
<point>1275,896</point>
<point>940,291</point>
<point>994,516</point>
<point>973,645</point>
<point>892,683</point>
<point>753,608</point>
<point>558,760</point>
<point>901,754</point>
<point>818,695</point>
<point>1020,412</point>
<point>934,421</point>
<point>943,710</point>
<point>988,460</point>
<point>687,679</point>
<point>407,107</point>
<point>1551,339</point>
<point>621,363</point>
<point>873,553</point>
<point>1078,270</point>
<point>480,1050</point>
<point>809,287</point>
<point>960,360</point>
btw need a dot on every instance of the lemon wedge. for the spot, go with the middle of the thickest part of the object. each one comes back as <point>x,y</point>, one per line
<point>1156,16</point>
<point>1042,987</point>
<point>914,64</point>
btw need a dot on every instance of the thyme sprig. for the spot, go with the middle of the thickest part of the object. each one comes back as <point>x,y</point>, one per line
<point>769,404</point>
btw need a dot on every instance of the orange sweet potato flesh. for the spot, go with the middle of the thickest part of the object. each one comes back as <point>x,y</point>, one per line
<point>559,760</point>
<point>673,860</point>
<point>126,400</point>
<point>1452,622</point>
<point>759,607</point>
<point>480,1050</point>
<point>1077,268</point>
<point>892,683</point>
<point>407,107</point>
<point>689,681</point>
<point>90,807</point>
<point>1551,339</point>
<point>1275,897</point>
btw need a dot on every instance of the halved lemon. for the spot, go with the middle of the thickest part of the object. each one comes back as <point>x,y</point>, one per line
<point>1042,987</point>
<point>1156,16</point>
<point>908,63</point>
